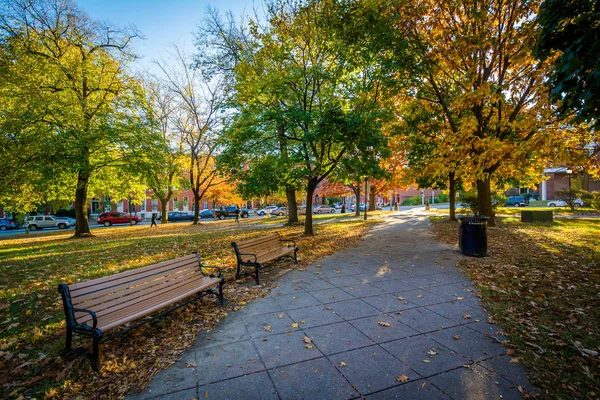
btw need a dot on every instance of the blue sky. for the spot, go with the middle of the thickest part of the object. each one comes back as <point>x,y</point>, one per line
<point>163,23</point>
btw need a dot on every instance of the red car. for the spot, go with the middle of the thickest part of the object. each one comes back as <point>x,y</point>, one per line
<point>109,218</point>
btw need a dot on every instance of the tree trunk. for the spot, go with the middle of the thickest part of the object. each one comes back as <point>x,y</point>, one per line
<point>357,193</point>
<point>196,207</point>
<point>484,196</point>
<point>292,205</point>
<point>585,181</point>
<point>310,191</point>
<point>164,210</point>
<point>82,227</point>
<point>371,201</point>
<point>452,194</point>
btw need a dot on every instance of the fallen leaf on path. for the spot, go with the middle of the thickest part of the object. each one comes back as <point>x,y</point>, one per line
<point>382,323</point>
<point>268,328</point>
<point>402,378</point>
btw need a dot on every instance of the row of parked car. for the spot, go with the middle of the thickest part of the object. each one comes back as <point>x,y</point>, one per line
<point>520,201</point>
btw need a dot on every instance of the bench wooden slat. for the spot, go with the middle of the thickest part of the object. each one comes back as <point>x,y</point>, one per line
<point>103,302</point>
<point>274,254</point>
<point>252,242</point>
<point>126,282</point>
<point>124,310</point>
<point>138,271</point>
<point>142,312</point>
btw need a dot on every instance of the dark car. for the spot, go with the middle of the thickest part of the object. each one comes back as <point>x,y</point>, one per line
<point>6,223</point>
<point>231,212</point>
<point>516,201</point>
<point>178,216</point>
<point>111,218</point>
<point>207,214</point>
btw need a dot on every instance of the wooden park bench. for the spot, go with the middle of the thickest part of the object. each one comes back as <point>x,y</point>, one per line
<point>101,305</point>
<point>254,253</point>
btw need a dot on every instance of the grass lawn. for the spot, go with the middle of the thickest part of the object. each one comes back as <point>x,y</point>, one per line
<point>32,323</point>
<point>541,284</point>
<point>560,211</point>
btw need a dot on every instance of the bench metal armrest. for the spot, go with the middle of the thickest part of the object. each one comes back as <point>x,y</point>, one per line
<point>220,272</point>
<point>289,240</point>
<point>248,254</point>
<point>85,325</point>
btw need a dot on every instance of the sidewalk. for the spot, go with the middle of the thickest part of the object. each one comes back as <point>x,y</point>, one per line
<point>392,318</point>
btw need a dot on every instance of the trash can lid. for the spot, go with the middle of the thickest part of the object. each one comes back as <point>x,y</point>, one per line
<point>473,219</point>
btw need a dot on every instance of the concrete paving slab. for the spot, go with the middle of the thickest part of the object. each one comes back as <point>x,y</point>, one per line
<point>249,387</point>
<point>419,390</point>
<point>424,355</point>
<point>337,338</point>
<point>285,349</point>
<point>314,379</point>
<point>372,369</point>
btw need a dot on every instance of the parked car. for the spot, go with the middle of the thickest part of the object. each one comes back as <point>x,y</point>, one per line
<point>301,210</point>
<point>72,221</point>
<point>324,209</point>
<point>230,212</point>
<point>563,203</point>
<point>266,210</point>
<point>516,201</point>
<point>6,223</point>
<point>178,216</point>
<point>111,218</point>
<point>279,211</point>
<point>45,221</point>
<point>207,214</point>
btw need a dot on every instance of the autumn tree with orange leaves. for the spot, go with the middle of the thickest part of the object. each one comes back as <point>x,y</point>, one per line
<point>476,74</point>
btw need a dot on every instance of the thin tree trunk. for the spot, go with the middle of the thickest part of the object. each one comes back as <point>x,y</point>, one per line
<point>308,225</point>
<point>357,193</point>
<point>484,195</point>
<point>452,194</point>
<point>292,205</point>
<point>372,201</point>
<point>196,207</point>
<point>82,227</point>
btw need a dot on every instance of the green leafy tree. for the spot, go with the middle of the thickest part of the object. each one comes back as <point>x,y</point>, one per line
<point>570,38</point>
<point>69,77</point>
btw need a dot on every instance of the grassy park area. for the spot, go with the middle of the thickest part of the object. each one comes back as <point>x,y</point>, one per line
<point>32,323</point>
<point>540,283</point>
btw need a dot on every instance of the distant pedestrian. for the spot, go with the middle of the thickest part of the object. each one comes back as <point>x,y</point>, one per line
<point>237,214</point>
<point>153,220</point>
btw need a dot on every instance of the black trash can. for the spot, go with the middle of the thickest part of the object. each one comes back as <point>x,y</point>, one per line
<point>472,235</point>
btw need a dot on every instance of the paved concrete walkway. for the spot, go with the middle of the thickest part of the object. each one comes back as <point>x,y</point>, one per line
<point>392,318</point>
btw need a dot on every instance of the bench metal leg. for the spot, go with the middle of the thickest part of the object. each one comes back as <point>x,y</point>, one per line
<point>296,256</point>
<point>256,274</point>
<point>238,272</point>
<point>220,295</point>
<point>69,340</point>
<point>96,353</point>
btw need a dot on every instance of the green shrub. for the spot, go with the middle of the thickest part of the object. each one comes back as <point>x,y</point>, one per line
<point>442,198</point>
<point>591,199</point>
<point>412,201</point>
